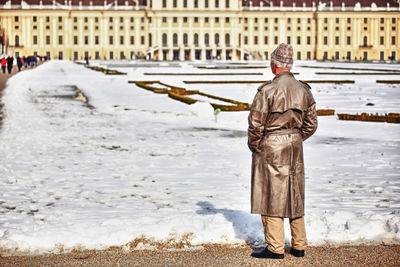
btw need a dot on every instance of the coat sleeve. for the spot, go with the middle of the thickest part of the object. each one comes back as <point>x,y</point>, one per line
<point>310,122</point>
<point>257,119</point>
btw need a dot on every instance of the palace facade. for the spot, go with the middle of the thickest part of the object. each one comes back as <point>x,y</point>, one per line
<point>200,29</point>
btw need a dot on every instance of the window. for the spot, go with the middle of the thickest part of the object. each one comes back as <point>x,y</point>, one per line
<point>216,20</point>
<point>96,40</point>
<point>111,19</point>
<point>75,40</point>
<point>308,55</point>
<point>47,19</point>
<point>75,19</point>
<point>256,40</point>
<point>60,40</point>
<point>76,55</point>
<point>227,39</point>
<point>246,40</point>
<point>111,40</point>
<point>175,39</point>
<point>298,40</point>
<point>86,19</point>
<point>196,3</point>
<point>393,40</point>
<point>246,20</point>
<point>325,55</point>
<point>337,20</point>
<point>348,55</point>
<point>142,40</point>
<point>308,20</point>
<point>111,55</point>
<point>365,41</point>
<point>86,40</point>
<point>299,55</point>
<point>382,20</point>
<point>196,20</point>
<point>121,55</point>
<point>216,38</point>
<point>175,19</point>
<point>206,19</point>
<point>185,39</point>
<point>276,40</point>
<point>325,40</point>
<point>226,3</point>
<point>337,55</point>
<point>266,20</point>
<point>96,19</point>
<point>216,3</point>
<point>121,40</point>
<point>336,40</point>
<point>288,40</point>
<point>325,20</point>
<point>164,39</point>
<point>35,39</point>
<point>185,19</point>
<point>142,20</point>
<point>132,19</point>
<point>348,20</point>
<point>59,19</point>
<point>349,40</point>
<point>382,40</point>
<point>150,39</point>
<point>47,39</point>
<point>132,40</point>
<point>265,39</point>
<point>382,55</point>
<point>308,40</point>
<point>164,19</point>
<point>276,20</point>
<point>16,18</point>
<point>298,20</point>
<point>121,19</point>
<point>175,3</point>
<point>34,18</point>
<point>365,20</point>
<point>196,39</point>
<point>185,3</point>
<point>206,3</point>
<point>164,3</point>
<point>60,55</point>
<point>289,20</point>
<point>393,20</point>
<point>207,39</point>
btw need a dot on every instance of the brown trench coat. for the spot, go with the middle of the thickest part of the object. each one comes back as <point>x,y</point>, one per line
<point>282,116</point>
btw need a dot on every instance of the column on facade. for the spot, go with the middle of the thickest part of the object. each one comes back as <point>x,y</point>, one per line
<point>159,38</point>
<point>103,37</point>
<point>169,38</point>
<point>201,37</point>
<point>212,38</point>
<point>80,38</point>
<point>191,40</point>
<point>180,40</point>
<point>127,40</point>
<point>137,31</point>
<point>55,41</point>
<point>222,38</point>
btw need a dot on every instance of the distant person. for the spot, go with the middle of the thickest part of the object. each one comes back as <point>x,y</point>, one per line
<point>25,61</point>
<point>19,63</point>
<point>10,62</point>
<point>32,61</point>
<point>3,64</point>
<point>282,116</point>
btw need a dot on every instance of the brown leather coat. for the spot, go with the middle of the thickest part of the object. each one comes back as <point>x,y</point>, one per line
<point>282,116</point>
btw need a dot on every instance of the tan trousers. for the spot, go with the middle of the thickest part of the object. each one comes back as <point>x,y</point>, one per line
<point>275,235</point>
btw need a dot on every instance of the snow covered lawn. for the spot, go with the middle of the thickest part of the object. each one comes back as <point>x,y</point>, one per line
<point>135,164</point>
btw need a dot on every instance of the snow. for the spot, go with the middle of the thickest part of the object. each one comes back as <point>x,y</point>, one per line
<point>133,164</point>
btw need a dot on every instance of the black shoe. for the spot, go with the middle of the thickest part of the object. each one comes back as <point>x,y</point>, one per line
<point>297,253</point>
<point>265,253</point>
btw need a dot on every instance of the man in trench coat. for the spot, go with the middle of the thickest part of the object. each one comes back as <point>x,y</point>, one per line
<point>282,116</point>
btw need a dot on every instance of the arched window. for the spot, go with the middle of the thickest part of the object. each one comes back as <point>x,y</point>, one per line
<point>365,40</point>
<point>207,39</point>
<point>185,39</point>
<point>196,39</point>
<point>216,39</point>
<point>175,39</point>
<point>164,39</point>
<point>17,40</point>
<point>227,39</point>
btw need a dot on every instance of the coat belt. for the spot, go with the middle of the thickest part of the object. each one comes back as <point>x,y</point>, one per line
<point>282,132</point>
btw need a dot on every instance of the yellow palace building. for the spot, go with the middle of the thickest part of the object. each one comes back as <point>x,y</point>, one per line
<point>200,29</point>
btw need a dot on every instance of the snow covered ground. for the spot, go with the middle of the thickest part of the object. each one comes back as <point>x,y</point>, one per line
<point>134,164</point>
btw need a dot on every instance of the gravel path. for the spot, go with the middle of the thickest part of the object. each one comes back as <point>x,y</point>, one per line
<point>215,255</point>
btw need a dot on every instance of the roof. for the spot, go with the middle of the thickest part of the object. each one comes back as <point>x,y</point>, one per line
<point>309,3</point>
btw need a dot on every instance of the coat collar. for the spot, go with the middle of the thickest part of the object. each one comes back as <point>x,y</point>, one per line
<point>283,74</point>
